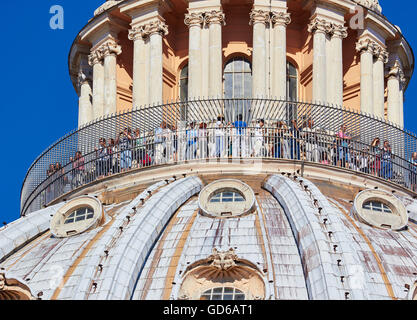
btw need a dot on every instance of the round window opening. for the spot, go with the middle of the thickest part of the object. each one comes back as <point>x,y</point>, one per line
<point>226,198</point>
<point>381,209</point>
<point>77,216</point>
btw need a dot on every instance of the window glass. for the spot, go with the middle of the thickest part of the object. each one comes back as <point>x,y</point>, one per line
<point>376,206</point>
<point>223,293</point>
<point>81,214</point>
<point>227,197</point>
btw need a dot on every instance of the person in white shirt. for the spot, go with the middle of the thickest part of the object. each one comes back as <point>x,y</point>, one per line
<point>219,135</point>
<point>258,139</point>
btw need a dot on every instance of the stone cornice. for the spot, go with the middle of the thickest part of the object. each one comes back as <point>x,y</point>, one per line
<point>214,17</point>
<point>371,4</point>
<point>259,16</point>
<point>105,6</point>
<point>194,19</point>
<point>281,18</point>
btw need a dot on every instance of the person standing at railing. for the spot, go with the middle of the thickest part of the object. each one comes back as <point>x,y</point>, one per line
<point>413,169</point>
<point>103,159</point>
<point>309,135</point>
<point>387,161</point>
<point>124,140</point>
<point>59,182</point>
<point>375,157</point>
<point>343,140</point>
<point>167,143</point>
<point>362,160</point>
<point>192,136</point>
<point>78,167</point>
<point>239,141</point>
<point>114,155</point>
<point>139,148</point>
<point>258,137</point>
<point>219,133</point>
<point>295,141</point>
<point>159,143</point>
<point>202,141</point>
<point>174,142</point>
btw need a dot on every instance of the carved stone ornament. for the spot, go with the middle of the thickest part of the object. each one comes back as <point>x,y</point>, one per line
<point>12,289</point>
<point>395,71</point>
<point>214,16</point>
<point>83,77</point>
<point>95,57</point>
<point>155,27</point>
<point>223,260</point>
<point>110,48</point>
<point>184,297</point>
<point>339,31</point>
<point>259,16</point>
<point>105,6</point>
<point>371,4</point>
<point>194,19</point>
<point>137,33</point>
<point>366,45</point>
<point>2,281</point>
<point>380,53</point>
<point>281,18</point>
<point>320,25</point>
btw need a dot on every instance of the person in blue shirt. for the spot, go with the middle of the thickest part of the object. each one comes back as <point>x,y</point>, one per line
<point>192,136</point>
<point>239,141</point>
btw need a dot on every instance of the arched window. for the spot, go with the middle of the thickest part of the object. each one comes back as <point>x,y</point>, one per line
<point>223,293</point>
<point>376,206</point>
<point>237,84</point>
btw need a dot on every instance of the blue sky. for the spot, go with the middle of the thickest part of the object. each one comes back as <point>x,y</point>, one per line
<point>39,104</point>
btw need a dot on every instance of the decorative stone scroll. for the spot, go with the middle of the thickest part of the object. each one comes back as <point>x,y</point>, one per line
<point>366,45</point>
<point>194,19</point>
<point>214,17</point>
<point>259,16</point>
<point>371,4</point>
<point>110,48</point>
<point>380,53</point>
<point>223,260</point>
<point>12,289</point>
<point>136,33</point>
<point>281,18</point>
<point>320,25</point>
<point>154,27</point>
<point>395,71</point>
<point>95,57</point>
<point>339,31</point>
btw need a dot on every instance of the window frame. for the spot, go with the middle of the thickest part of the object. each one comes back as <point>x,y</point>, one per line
<point>209,293</point>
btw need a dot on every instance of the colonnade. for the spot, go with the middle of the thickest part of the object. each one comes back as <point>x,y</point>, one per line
<point>205,62</point>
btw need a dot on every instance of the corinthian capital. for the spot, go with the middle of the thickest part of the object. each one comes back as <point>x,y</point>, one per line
<point>215,17</point>
<point>95,57</point>
<point>136,33</point>
<point>194,19</point>
<point>339,31</point>
<point>259,16</point>
<point>110,48</point>
<point>380,53</point>
<point>320,25</point>
<point>281,18</point>
<point>395,71</point>
<point>155,27</point>
<point>366,45</point>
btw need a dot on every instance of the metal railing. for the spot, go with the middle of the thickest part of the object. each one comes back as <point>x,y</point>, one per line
<point>292,130</point>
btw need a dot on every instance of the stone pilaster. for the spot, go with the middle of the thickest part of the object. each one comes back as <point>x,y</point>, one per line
<point>215,19</point>
<point>95,60</point>
<point>319,28</point>
<point>259,19</point>
<point>85,112</point>
<point>381,58</point>
<point>366,49</point>
<point>140,66</point>
<point>110,50</point>
<point>194,21</point>
<point>394,100</point>
<point>280,20</point>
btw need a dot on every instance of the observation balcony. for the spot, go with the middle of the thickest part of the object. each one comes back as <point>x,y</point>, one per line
<point>183,132</point>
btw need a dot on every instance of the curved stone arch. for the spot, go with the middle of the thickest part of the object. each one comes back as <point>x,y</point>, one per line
<point>222,269</point>
<point>315,250</point>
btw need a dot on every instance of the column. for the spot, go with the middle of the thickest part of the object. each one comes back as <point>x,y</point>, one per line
<point>140,80</point>
<point>215,20</point>
<point>95,60</point>
<point>259,19</point>
<point>194,20</point>
<point>336,68</point>
<point>366,49</point>
<point>110,51</point>
<point>403,83</point>
<point>379,81</point>
<point>156,31</point>
<point>394,93</point>
<point>85,112</point>
<point>319,28</point>
<point>279,74</point>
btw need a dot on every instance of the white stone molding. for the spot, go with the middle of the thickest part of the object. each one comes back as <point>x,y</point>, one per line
<point>214,17</point>
<point>193,19</point>
<point>281,18</point>
<point>110,48</point>
<point>371,4</point>
<point>105,6</point>
<point>155,27</point>
<point>318,25</point>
